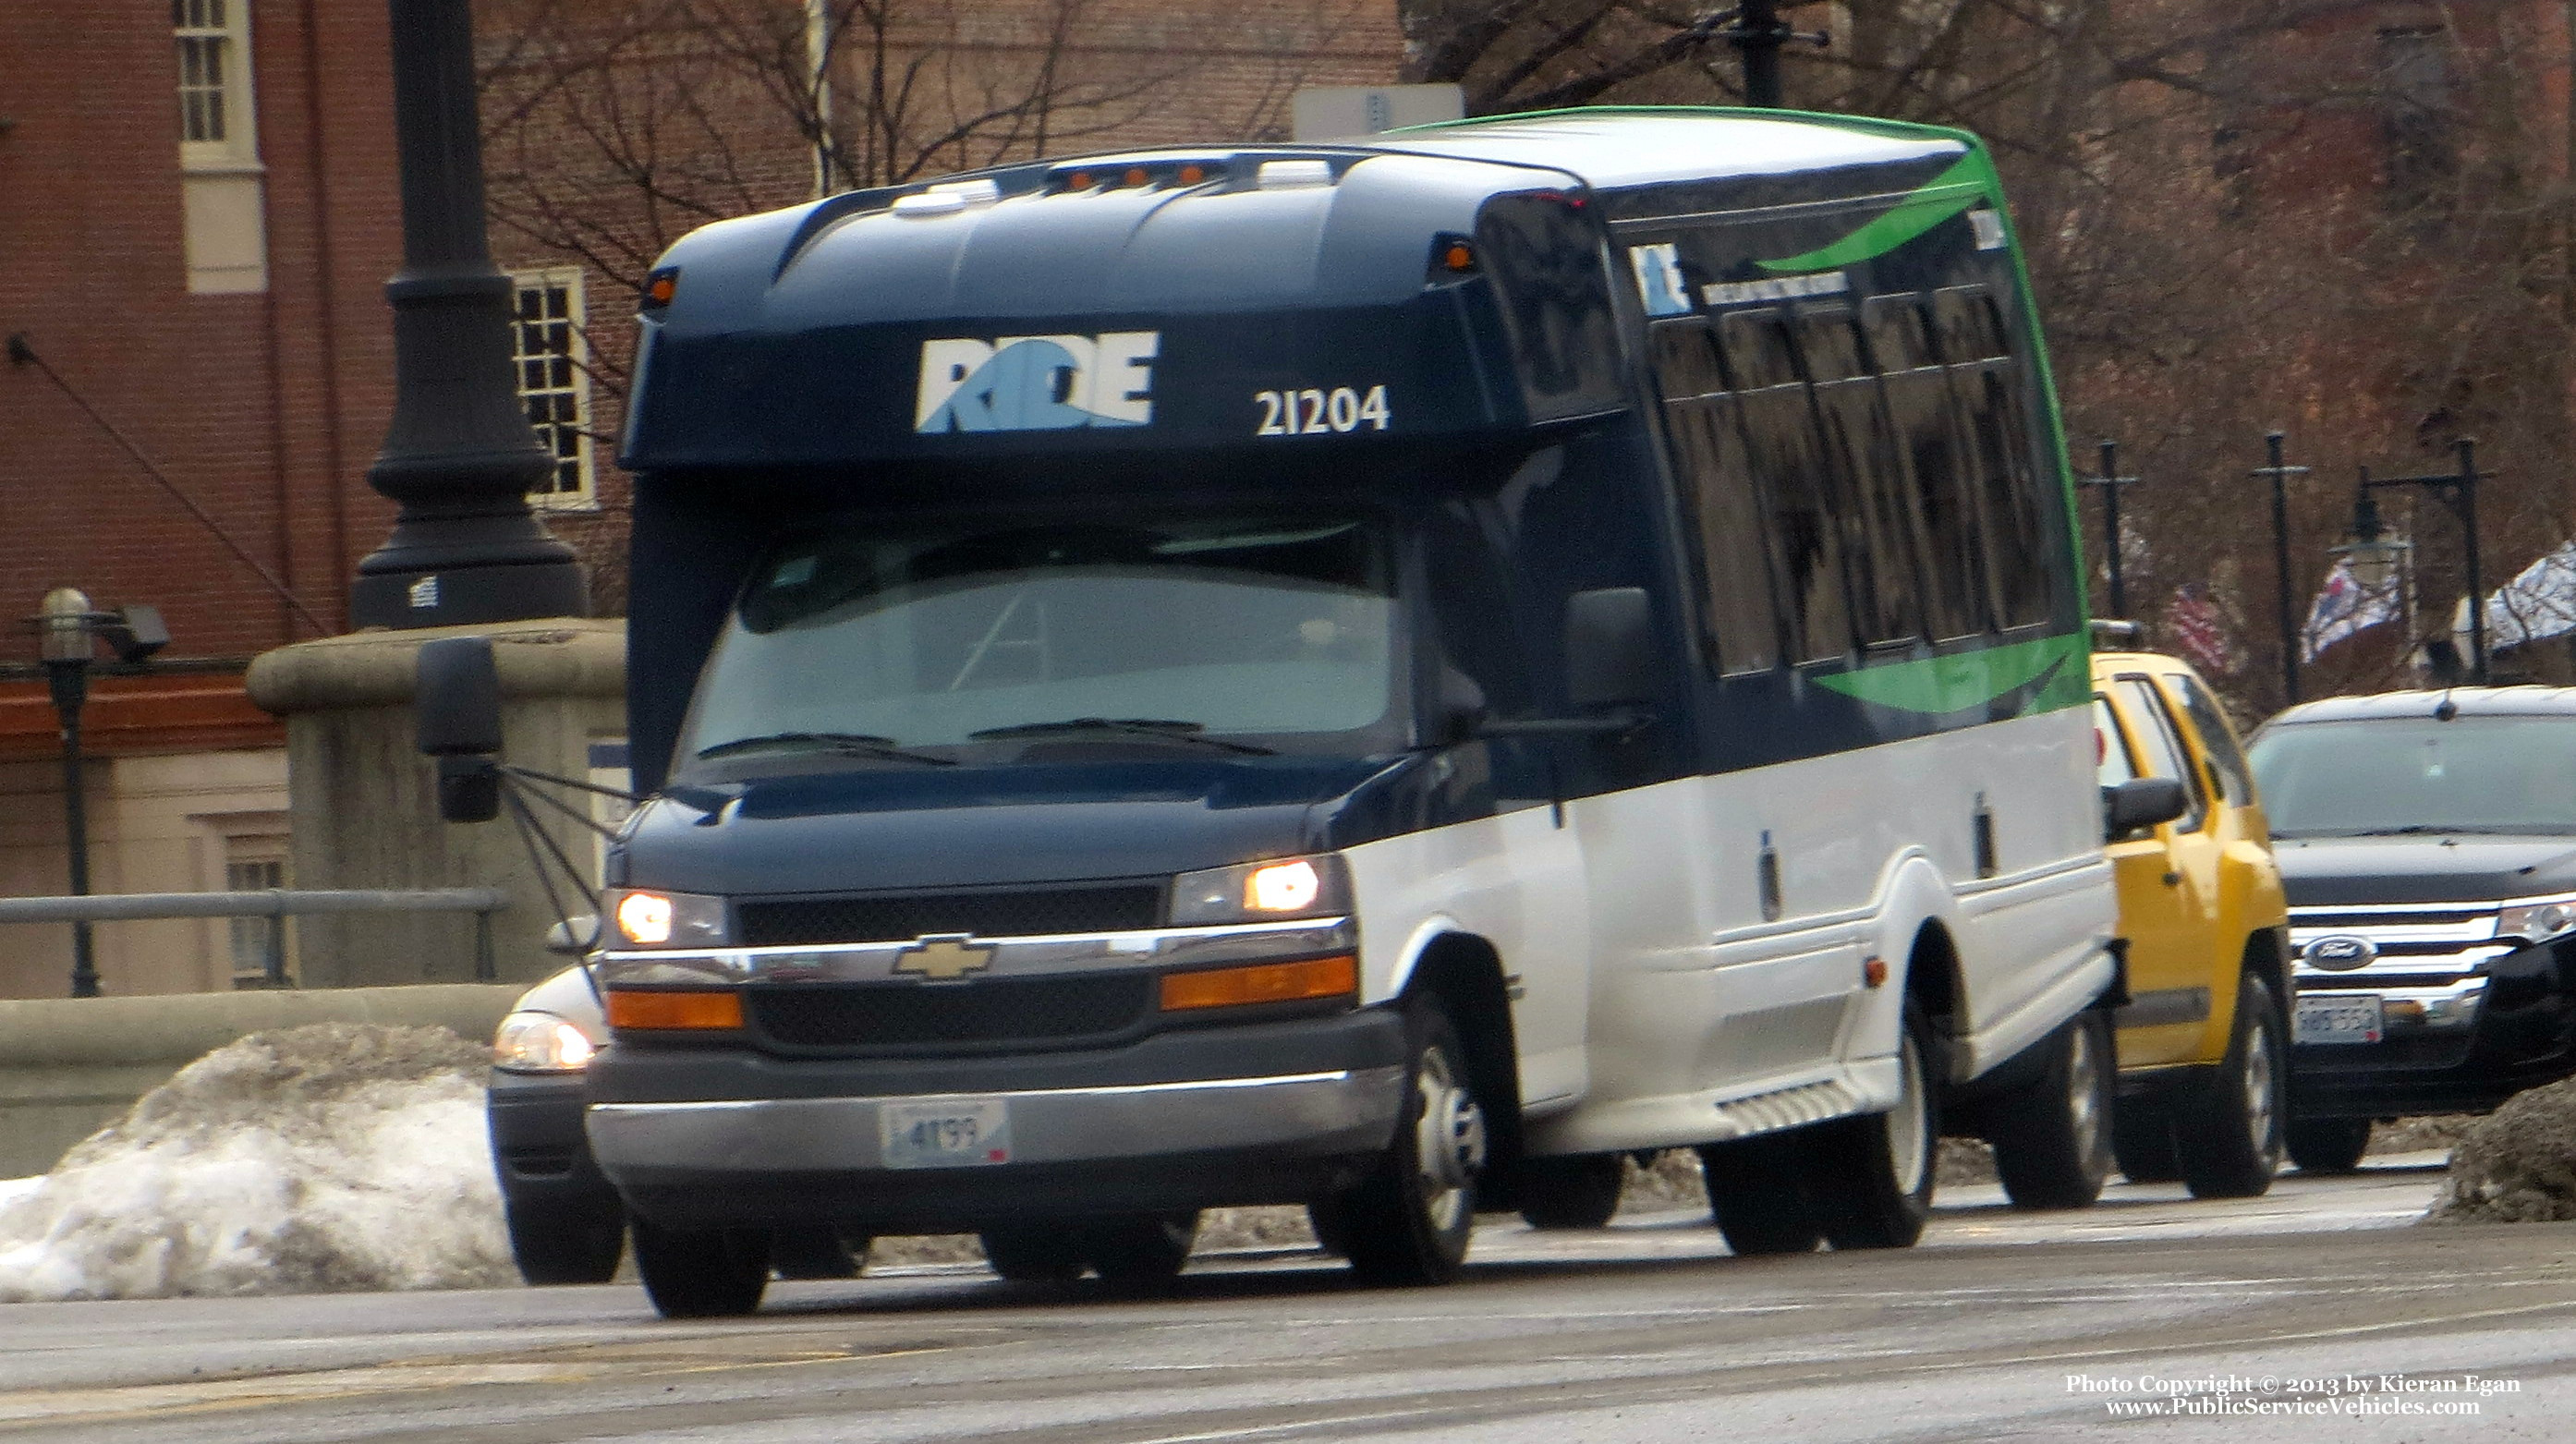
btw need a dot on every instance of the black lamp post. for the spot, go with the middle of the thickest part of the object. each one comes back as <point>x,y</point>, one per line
<point>1755,28</point>
<point>2459,491</point>
<point>2280,474</point>
<point>68,631</point>
<point>460,456</point>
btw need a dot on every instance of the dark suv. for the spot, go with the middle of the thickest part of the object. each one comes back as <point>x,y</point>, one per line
<point>2427,841</point>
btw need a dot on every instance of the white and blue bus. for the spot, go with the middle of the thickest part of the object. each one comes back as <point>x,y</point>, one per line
<point>1385,676</point>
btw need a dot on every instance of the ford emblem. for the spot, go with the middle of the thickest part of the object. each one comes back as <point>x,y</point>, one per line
<point>2339,954</point>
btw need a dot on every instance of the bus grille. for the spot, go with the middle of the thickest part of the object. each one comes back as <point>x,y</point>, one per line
<point>986,913</point>
<point>933,1017</point>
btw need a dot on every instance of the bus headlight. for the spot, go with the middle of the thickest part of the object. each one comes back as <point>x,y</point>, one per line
<point>530,1042</point>
<point>1254,892</point>
<point>650,918</point>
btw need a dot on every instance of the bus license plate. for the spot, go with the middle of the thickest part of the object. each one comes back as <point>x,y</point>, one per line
<point>2346,1019</point>
<point>948,1133</point>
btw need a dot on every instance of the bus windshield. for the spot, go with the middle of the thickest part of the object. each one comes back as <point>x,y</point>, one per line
<point>2404,776</point>
<point>1276,630</point>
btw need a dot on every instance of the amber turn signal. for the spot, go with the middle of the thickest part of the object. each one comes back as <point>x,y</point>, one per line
<point>690,1009</point>
<point>1262,983</point>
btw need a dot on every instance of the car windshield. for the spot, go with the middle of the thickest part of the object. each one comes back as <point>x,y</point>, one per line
<point>2410,775</point>
<point>1232,633</point>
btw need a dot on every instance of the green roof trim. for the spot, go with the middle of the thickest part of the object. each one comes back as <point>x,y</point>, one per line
<point>1935,201</point>
<point>2054,671</point>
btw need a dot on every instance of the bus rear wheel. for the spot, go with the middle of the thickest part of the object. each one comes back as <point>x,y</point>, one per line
<point>2052,1137</point>
<point>1408,1222</point>
<point>702,1273</point>
<point>1758,1194</point>
<point>1581,1191</point>
<point>1873,1175</point>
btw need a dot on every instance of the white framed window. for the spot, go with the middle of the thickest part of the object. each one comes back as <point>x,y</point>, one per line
<point>259,947</point>
<point>225,203</point>
<point>550,355</point>
<point>215,117</point>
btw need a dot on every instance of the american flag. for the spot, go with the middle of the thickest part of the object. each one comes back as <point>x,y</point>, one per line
<point>2199,633</point>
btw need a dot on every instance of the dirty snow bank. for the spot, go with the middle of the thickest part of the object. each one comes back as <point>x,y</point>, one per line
<point>328,1157</point>
<point>2517,1164</point>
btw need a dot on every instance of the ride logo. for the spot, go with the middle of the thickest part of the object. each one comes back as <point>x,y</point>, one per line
<point>1036,383</point>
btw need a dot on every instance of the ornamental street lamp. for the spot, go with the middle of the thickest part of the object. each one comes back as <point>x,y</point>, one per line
<point>460,456</point>
<point>2457,490</point>
<point>68,631</point>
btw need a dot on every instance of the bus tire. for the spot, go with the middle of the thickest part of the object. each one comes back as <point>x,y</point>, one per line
<point>2227,1133</point>
<point>1027,1255</point>
<point>1873,1175</point>
<point>815,1251</point>
<point>1581,1191</point>
<point>702,1273</point>
<point>1142,1248</point>
<point>1408,1222</point>
<point>1758,1194</point>
<point>566,1245</point>
<point>2052,1136</point>
<point>2327,1145</point>
<point>2142,1140</point>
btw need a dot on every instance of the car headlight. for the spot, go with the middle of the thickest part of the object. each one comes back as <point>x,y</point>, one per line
<point>530,1042</point>
<point>1255,892</point>
<point>651,918</point>
<point>2537,921</point>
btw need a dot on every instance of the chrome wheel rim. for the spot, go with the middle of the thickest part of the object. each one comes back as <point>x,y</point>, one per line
<point>1449,1141</point>
<point>2258,1091</point>
<point>2084,1090</point>
<point>1908,1152</point>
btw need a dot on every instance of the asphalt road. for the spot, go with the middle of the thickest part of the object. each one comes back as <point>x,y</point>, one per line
<point>2313,1314</point>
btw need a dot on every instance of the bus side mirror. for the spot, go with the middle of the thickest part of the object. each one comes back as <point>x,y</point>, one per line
<point>457,693</point>
<point>2142,802</point>
<point>1610,648</point>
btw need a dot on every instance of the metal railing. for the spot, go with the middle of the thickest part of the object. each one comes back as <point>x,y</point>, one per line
<point>273,903</point>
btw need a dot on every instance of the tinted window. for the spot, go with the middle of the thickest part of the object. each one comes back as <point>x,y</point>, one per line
<point>1686,359</point>
<point>1807,525</point>
<point>2160,746</point>
<point>2216,736</point>
<point>1727,505</point>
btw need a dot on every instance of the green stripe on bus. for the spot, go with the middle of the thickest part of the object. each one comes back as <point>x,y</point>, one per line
<point>1935,201</point>
<point>2055,669</point>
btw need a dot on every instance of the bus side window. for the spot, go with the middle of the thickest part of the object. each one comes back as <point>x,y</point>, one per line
<point>1782,451</point>
<point>1686,359</point>
<point>1886,529</point>
<point>1997,449</point>
<point>1726,505</point>
<point>1918,404</point>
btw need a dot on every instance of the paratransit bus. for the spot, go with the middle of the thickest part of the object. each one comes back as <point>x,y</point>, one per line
<point>1383,676</point>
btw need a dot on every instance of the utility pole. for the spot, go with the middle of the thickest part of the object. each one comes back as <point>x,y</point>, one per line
<point>1755,28</point>
<point>2281,562</point>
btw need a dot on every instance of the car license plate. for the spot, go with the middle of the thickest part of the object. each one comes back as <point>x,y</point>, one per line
<point>2347,1018</point>
<point>945,1133</point>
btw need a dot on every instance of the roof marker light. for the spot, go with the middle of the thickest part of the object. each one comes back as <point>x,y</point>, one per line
<point>1286,175</point>
<point>1080,180</point>
<point>1192,174</point>
<point>1138,175</point>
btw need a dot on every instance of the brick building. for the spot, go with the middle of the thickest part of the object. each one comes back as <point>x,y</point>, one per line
<point>197,216</point>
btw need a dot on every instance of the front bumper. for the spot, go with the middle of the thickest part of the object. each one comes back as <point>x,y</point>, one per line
<point>2463,1046</point>
<point>540,1154</point>
<point>1265,1113</point>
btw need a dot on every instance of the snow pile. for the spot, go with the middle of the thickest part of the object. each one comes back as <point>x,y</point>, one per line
<point>328,1157</point>
<point>2517,1164</point>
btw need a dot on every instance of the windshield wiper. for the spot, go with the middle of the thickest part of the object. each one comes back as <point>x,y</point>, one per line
<point>854,744</point>
<point>2480,829</point>
<point>1165,729</point>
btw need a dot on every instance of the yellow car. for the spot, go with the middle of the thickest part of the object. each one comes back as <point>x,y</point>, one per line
<point>2204,1037</point>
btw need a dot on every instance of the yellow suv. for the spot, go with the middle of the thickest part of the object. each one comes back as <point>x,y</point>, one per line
<point>2203,1039</point>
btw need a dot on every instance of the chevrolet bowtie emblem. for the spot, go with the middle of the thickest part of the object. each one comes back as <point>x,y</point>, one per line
<point>944,958</point>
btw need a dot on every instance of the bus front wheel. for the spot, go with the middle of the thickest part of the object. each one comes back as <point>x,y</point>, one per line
<point>1873,1175</point>
<point>1409,1220</point>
